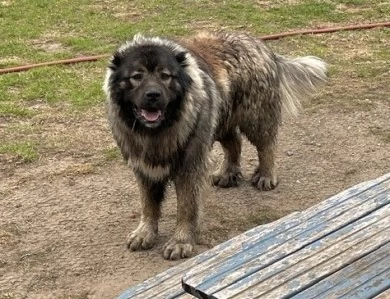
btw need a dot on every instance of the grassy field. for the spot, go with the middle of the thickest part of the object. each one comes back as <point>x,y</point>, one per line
<point>42,30</point>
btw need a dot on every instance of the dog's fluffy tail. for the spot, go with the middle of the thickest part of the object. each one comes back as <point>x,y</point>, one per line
<point>299,79</point>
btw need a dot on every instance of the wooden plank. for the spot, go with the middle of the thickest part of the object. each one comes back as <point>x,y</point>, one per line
<point>306,218</point>
<point>358,272</point>
<point>264,252</point>
<point>183,296</point>
<point>163,285</point>
<point>167,284</point>
<point>372,287</point>
<point>321,271</point>
<point>307,266</point>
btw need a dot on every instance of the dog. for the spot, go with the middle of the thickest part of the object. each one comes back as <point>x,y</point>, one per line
<point>169,100</point>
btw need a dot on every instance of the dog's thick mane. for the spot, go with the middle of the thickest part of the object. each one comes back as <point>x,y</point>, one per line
<point>164,143</point>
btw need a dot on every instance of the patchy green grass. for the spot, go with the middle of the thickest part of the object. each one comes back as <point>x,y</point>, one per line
<point>112,153</point>
<point>78,86</point>
<point>43,30</point>
<point>25,151</point>
<point>36,30</point>
<point>13,109</point>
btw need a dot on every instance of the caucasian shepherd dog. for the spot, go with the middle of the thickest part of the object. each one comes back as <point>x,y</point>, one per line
<point>169,100</point>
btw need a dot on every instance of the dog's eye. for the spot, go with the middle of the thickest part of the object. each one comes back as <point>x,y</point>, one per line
<point>165,76</point>
<point>137,77</point>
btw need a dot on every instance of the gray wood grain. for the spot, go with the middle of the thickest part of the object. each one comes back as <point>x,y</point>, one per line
<point>309,247</point>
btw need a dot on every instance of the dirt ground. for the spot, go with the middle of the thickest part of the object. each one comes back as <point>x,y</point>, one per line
<point>64,218</point>
<point>62,229</point>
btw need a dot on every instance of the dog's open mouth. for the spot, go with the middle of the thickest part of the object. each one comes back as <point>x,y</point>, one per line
<point>151,115</point>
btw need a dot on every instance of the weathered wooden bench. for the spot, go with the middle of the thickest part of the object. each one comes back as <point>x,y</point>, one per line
<point>339,248</point>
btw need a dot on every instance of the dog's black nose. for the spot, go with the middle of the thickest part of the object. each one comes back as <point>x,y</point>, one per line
<point>153,95</point>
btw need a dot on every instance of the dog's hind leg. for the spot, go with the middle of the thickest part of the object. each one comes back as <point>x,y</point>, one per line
<point>151,195</point>
<point>264,178</point>
<point>229,173</point>
<point>262,131</point>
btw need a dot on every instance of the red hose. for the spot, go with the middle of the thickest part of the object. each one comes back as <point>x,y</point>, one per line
<point>65,61</point>
<point>326,30</point>
<point>266,37</point>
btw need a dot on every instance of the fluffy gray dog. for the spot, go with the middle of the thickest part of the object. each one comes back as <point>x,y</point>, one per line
<point>169,100</point>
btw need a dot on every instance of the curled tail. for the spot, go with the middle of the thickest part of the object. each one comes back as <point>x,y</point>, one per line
<point>299,79</point>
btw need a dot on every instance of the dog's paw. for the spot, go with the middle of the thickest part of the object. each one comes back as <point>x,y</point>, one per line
<point>263,182</point>
<point>142,238</point>
<point>175,249</point>
<point>227,179</point>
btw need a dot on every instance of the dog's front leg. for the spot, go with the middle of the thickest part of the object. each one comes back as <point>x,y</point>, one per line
<point>189,187</point>
<point>151,196</point>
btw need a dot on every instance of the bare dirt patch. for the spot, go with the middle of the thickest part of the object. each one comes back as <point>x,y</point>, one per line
<point>126,11</point>
<point>63,226</point>
<point>49,42</point>
<point>269,4</point>
<point>47,45</point>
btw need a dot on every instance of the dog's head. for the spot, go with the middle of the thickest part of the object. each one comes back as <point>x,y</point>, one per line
<point>148,81</point>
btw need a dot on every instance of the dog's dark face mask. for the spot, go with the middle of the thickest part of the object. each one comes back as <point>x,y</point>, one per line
<point>149,84</point>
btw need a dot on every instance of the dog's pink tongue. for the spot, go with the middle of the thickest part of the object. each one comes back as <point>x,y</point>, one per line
<point>151,115</point>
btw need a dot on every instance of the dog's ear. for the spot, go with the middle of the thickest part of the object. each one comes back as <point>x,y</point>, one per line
<point>116,61</point>
<point>183,76</point>
<point>181,57</point>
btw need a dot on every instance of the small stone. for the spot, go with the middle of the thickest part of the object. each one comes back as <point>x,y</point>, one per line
<point>290,153</point>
